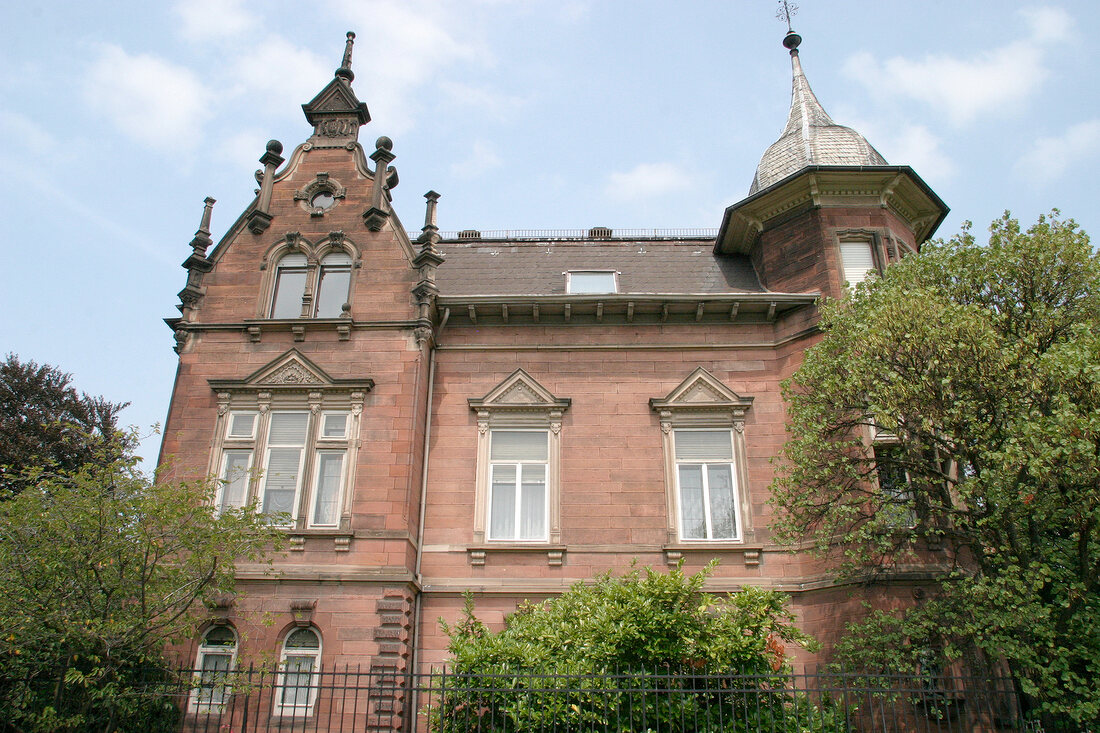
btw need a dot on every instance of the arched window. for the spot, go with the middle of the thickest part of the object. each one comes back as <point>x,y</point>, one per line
<point>290,285</point>
<point>333,282</point>
<point>216,656</point>
<point>299,665</point>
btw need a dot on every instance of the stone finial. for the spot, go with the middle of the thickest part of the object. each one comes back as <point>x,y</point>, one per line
<point>344,72</point>
<point>430,212</point>
<point>202,235</point>
<point>376,215</point>
<point>260,217</point>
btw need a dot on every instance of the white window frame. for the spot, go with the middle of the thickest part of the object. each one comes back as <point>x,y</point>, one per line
<point>195,703</point>
<point>702,402</point>
<point>569,282</point>
<point>518,402</point>
<point>305,496</point>
<point>518,485</point>
<point>705,465</point>
<point>224,480</point>
<point>294,710</point>
<point>302,461</point>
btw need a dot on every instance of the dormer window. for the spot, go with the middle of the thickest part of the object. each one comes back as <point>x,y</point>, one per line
<point>579,282</point>
<point>290,285</point>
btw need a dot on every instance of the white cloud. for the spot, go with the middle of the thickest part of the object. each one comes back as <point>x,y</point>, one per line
<point>1048,25</point>
<point>482,158</point>
<point>203,20</point>
<point>152,100</point>
<point>242,150</point>
<point>964,88</point>
<point>281,75</point>
<point>422,40</point>
<point>1050,157</point>
<point>646,180</point>
<point>490,103</point>
<point>15,126</point>
<point>908,144</point>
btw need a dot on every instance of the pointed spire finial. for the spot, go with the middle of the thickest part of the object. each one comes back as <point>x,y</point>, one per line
<point>344,72</point>
<point>792,39</point>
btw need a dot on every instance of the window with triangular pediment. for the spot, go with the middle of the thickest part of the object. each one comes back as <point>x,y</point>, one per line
<point>518,484</point>
<point>285,442</point>
<point>703,425</point>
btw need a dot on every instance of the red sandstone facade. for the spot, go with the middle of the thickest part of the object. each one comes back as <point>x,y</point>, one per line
<point>460,421</point>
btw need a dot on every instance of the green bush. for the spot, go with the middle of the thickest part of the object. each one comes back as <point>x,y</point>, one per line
<point>644,651</point>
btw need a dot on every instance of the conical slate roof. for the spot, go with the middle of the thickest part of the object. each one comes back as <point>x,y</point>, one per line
<point>811,137</point>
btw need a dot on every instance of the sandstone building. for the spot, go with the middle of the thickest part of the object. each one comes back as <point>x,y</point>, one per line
<point>506,413</point>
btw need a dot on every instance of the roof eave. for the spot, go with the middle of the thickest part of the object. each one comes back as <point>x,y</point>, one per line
<point>897,187</point>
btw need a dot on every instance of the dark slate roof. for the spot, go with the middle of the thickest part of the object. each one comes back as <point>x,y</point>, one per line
<point>538,267</point>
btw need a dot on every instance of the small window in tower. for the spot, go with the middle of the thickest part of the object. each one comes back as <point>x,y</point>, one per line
<point>857,261</point>
<point>579,282</point>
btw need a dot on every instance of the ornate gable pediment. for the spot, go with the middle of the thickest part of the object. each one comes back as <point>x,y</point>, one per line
<point>520,391</point>
<point>337,98</point>
<point>291,371</point>
<point>703,395</point>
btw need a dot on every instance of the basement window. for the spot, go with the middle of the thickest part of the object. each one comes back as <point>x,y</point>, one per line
<point>579,282</point>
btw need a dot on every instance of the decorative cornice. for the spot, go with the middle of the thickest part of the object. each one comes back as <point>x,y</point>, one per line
<point>897,188</point>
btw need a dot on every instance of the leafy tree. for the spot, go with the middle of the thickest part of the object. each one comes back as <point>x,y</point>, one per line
<point>100,568</point>
<point>44,421</point>
<point>577,661</point>
<point>951,417</point>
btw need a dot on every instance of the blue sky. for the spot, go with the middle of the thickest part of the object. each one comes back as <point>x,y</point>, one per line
<point>118,118</point>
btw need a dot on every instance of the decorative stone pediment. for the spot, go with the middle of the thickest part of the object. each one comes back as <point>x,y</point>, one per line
<point>291,371</point>
<point>336,115</point>
<point>519,391</point>
<point>701,395</point>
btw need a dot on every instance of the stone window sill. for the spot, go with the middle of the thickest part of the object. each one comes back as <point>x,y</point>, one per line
<point>341,538</point>
<point>751,555</point>
<point>478,554</point>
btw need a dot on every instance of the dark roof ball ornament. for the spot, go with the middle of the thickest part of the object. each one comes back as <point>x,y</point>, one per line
<point>383,143</point>
<point>274,146</point>
<point>791,41</point>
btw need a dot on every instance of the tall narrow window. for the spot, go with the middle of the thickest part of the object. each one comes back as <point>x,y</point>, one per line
<point>707,493</point>
<point>234,479</point>
<point>290,285</point>
<point>216,655</point>
<point>893,482</point>
<point>333,281</point>
<point>518,461</point>
<point>857,261</point>
<point>286,442</point>
<point>296,686</point>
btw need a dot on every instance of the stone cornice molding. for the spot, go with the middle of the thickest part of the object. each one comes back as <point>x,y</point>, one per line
<point>897,188</point>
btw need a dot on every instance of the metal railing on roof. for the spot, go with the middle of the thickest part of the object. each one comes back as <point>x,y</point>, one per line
<point>594,233</point>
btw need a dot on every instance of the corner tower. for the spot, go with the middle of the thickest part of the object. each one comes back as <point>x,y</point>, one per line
<point>825,207</point>
<point>303,339</point>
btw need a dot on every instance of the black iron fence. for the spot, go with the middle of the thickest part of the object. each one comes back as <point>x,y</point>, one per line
<point>445,701</point>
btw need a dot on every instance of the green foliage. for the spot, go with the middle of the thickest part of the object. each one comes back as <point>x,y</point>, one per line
<point>628,649</point>
<point>45,422</point>
<point>984,362</point>
<point>101,567</point>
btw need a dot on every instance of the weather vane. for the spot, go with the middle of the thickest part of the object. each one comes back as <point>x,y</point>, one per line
<point>786,10</point>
